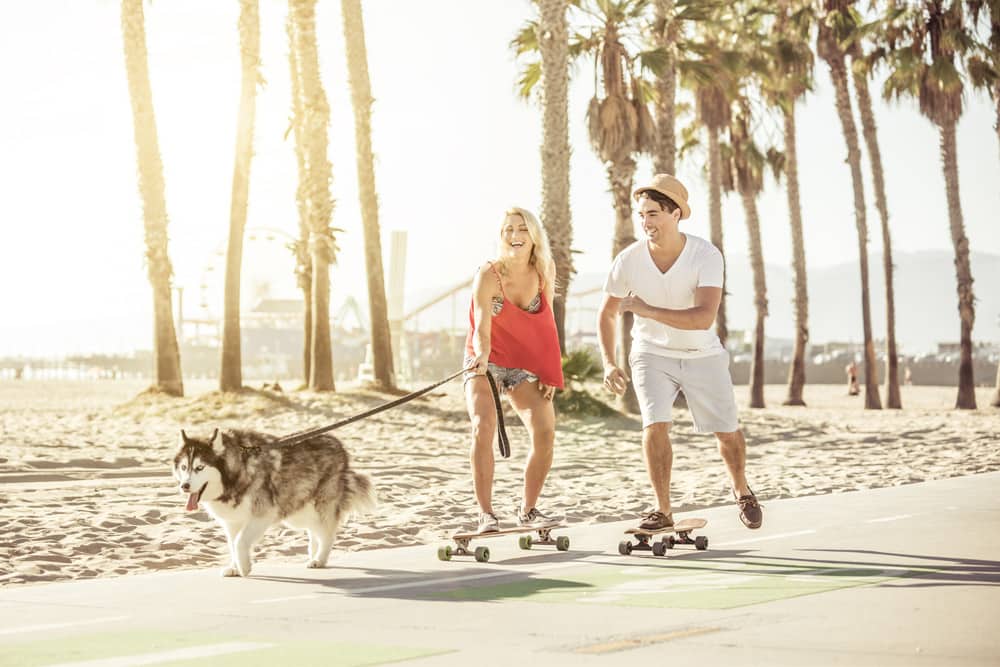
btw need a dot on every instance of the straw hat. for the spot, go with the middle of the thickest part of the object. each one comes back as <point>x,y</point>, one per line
<point>669,186</point>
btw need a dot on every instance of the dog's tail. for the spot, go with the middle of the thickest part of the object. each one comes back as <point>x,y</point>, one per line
<point>360,496</point>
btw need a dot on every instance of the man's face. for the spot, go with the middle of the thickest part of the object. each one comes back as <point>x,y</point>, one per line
<point>656,221</point>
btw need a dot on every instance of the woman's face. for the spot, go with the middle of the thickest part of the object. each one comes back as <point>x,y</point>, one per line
<point>515,241</point>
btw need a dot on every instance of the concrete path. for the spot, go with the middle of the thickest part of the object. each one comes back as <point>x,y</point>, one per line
<point>901,576</point>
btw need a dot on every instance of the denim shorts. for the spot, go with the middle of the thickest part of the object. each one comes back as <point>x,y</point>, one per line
<point>506,378</point>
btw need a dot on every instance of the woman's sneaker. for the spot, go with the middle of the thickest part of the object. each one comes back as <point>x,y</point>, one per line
<point>533,518</point>
<point>488,523</point>
<point>657,521</point>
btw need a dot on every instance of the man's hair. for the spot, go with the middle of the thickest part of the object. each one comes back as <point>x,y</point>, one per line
<point>665,202</point>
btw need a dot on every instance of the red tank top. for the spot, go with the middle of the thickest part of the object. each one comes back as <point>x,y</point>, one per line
<point>519,339</point>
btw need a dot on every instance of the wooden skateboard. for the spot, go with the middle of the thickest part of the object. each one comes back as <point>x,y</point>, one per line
<point>482,554</point>
<point>682,529</point>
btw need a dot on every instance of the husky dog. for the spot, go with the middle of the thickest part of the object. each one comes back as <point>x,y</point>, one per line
<point>249,483</point>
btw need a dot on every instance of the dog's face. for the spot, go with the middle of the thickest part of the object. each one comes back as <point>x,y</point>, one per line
<point>197,468</point>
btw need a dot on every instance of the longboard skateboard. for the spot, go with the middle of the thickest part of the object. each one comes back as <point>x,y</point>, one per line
<point>682,529</point>
<point>482,554</point>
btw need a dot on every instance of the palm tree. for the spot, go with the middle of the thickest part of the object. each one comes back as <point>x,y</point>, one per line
<point>928,46</point>
<point>747,165</point>
<point>167,373</point>
<point>665,34</point>
<point>553,46</point>
<point>860,71</point>
<point>789,78</point>
<point>361,96</point>
<point>231,375</point>
<point>300,248</point>
<point>322,245</point>
<point>837,21</point>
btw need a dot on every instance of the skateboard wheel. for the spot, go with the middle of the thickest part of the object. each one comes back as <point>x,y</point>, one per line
<point>524,542</point>
<point>701,543</point>
<point>668,542</point>
<point>562,543</point>
<point>659,549</point>
<point>625,548</point>
<point>444,553</point>
<point>482,554</point>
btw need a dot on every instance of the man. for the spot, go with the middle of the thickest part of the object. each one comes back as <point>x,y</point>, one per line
<point>672,283</point>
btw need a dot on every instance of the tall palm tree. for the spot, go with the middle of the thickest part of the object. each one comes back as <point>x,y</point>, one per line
<point>665,34</point>
<point>789,78</point>
<point>553,46</point>
<point>300,248</point>
<point>166,354</point>
<point>231,375</point>
<point>322,244</point>
<point>747,164</point>
<point>927,50</point>
<point>859,72</point>
<point>361,97</point>
<point>837,21</point>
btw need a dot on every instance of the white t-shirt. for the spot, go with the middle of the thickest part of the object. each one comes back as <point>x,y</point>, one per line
<point>700,264</point>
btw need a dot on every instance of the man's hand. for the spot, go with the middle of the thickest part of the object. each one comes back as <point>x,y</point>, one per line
<point>633,304</point>
<point>615,379</point>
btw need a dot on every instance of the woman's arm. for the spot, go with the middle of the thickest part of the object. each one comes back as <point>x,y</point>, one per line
<point>483,290</point>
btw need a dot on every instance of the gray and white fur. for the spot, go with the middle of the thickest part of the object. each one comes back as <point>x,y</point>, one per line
<point>248,483</point>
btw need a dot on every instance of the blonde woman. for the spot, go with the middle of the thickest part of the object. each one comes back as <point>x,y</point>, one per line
<point>512,333</point>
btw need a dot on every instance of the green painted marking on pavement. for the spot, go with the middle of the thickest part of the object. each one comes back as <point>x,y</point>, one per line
<point>686,585</point>
<point>111,645</point>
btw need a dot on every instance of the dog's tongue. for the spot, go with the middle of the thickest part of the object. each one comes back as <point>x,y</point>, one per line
<point>192,502</point>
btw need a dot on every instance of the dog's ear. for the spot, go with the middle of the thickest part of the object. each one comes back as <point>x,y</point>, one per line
<point>216,441</point>
<point>184,438</point>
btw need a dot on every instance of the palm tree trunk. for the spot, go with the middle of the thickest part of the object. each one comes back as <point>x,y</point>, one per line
<point>838,73</point>
<point>715,221</point>
<point>996,98</point>
<point>797,371</point>
<point>620,175</point>
<point>966,399</point>
<point>554,46</point>
<point>231,374</point>
<point>664,157</point>
<point>303,262</point>
<point>166,354</point>
<point>361,96</point>
<point>892,398</point>
<point>322,246</point>
<point>759,294</point>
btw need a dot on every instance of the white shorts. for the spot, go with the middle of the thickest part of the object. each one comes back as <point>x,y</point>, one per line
<point>706,384</point>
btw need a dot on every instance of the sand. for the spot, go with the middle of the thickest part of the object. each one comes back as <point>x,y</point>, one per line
<point>86,491</point>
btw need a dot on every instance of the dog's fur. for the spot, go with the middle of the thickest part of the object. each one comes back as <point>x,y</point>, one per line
<point>248,483</point>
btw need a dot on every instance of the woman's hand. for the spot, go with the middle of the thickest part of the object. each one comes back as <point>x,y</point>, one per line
<point>479,364</point>
<point>547,391</point>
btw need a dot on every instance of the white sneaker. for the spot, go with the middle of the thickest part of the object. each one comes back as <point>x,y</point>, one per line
<point>534,518</point>
<point>488,523</point>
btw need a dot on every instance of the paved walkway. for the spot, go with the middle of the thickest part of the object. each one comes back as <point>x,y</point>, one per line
<point>900,576</point>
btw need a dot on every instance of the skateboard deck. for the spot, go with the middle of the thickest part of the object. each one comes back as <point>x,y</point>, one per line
<point>482,554</point>
<point>682,529</point>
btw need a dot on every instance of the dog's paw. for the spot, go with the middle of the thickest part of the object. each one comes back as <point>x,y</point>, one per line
<point>230,571</point>
<point>314,564</point>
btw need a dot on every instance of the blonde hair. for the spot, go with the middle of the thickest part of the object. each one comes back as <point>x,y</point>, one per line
<point>541,254</point>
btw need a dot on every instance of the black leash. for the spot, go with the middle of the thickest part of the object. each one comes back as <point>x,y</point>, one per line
<point>504,443</point>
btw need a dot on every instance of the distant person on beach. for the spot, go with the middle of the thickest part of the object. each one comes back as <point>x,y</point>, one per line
<point>672,282</point>
<point>852,379</point>
<point>512,333</point>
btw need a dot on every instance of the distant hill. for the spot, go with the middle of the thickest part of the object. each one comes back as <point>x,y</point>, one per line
<point>926,301</point>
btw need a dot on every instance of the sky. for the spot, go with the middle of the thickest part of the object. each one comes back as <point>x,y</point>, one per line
<point>454,148</point>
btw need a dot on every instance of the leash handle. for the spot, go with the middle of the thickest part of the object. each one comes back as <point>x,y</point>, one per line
<point>502,441</point>
<point>302,436</point>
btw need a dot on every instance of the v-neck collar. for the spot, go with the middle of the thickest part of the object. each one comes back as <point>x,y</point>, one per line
<point>652,262</point>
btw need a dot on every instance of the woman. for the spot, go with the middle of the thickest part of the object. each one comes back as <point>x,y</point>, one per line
<point>513,335</point>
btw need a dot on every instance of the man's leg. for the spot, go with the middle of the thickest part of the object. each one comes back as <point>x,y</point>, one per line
<point>659,456</point>
<point>733,449</point>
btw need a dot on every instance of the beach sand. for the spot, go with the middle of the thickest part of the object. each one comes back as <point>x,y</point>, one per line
<point>86,491</point>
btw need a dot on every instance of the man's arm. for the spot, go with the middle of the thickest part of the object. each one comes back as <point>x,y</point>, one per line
<point>614,378</point>
<point>699,316</point>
